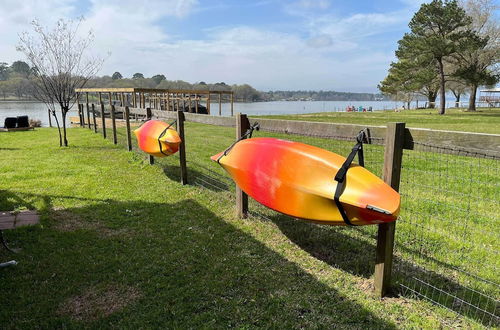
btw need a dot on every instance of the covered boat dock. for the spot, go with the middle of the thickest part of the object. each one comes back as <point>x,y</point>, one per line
<point>195,101</point>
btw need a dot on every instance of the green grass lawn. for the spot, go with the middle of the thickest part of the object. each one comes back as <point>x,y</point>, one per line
<point>123,244</point>
<point>485,120</point>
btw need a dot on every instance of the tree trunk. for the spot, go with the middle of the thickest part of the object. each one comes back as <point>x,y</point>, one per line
<point>472,98</point>
<point>58,127</point>
<point>65,141</point>
<point>457,100</point>
<point>442,101</point>
<point>431,98</point>
<point>432,101</point>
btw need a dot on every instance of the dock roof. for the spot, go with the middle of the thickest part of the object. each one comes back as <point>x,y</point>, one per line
<point>148,90</point>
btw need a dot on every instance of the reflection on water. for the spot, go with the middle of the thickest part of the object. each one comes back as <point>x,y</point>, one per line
<point>39,111</point>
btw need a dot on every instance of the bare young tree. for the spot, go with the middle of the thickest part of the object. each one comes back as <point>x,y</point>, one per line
<point>61,63</point>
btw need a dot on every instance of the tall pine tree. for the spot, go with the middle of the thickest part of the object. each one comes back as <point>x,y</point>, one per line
<point>439,30</point>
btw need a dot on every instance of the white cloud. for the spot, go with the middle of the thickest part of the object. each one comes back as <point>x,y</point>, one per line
<point>17,15</point>
<point>332,54</point>
<point>312,4</point>
<point>320,41</point>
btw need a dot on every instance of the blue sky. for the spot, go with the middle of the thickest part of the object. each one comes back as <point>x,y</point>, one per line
<point>270,44</point>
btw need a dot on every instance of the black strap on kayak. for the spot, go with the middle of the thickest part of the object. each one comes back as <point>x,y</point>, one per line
<point>162,134</point>
<point>248,134</point>
<point>342,172</point>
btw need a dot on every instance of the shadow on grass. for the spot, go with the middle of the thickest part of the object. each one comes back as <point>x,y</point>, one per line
<point>337,248</point>
<point>343,251</point>
<point>209,179</point>
<point>191,268</point>
<point>356,255</point>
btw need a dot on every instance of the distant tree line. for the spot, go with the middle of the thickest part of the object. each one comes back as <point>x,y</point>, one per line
<point>15,83</point>
<point>321,96</point>
<point>452,46</point>
<point>15,80</point>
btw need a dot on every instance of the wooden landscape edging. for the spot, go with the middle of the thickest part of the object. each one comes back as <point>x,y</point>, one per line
<point>320,129</point>
<point>454,142</point>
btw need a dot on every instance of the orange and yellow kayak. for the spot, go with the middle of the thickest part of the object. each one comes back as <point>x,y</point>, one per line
<point>157,138</point>
<point>298,180</point>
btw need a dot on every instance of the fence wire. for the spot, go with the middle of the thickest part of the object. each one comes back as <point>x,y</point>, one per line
<point>447,238</point>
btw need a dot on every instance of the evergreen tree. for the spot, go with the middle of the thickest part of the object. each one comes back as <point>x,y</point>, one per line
<point>116,76</point>
<point>438,30</point>
<point>158,78</point>
<point>21,68</point>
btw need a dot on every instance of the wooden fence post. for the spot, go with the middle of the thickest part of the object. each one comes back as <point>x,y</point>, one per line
<point>87,107</point>
<point>242,125</point>
<point>208,103</point>
<point>220,104</point>
<point>393,154</point>
<point>232,103</point>
<point>103,120</point>
<point>127,124</point>
<point>182,147</point>
<point>113,123</point>
<point>149,115</point>
<point>82,116</point>
<point>50,119</point>
<point>93,117</point>
<point>78,106</point>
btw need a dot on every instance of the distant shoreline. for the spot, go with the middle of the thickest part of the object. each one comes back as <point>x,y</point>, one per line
<point>20,101</point>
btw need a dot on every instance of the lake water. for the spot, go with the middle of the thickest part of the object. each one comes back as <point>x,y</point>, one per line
<point>39,110</point>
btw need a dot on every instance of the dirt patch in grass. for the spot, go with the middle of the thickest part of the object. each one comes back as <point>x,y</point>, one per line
<point>366,285</point>
<point>96,303</point>
<point>67,221</point>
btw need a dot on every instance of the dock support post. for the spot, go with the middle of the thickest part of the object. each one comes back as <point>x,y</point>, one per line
<point>393,155</point>
<point>242,125</point>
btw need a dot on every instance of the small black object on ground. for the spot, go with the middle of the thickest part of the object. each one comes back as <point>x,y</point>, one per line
<point>19,123</point>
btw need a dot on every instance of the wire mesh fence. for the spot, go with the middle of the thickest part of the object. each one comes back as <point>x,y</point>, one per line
<point>447,235</point>
<point>447,239</point>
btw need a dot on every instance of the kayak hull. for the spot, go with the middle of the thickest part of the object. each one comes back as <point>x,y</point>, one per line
<point>149,140</point>
<point>298,180</point>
